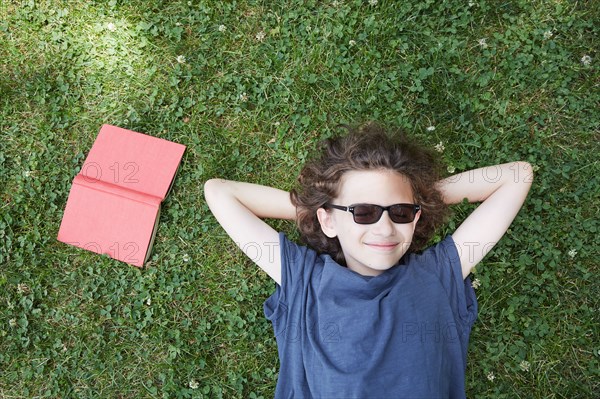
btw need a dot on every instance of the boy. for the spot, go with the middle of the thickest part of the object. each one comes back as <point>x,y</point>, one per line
<point>360,312</point>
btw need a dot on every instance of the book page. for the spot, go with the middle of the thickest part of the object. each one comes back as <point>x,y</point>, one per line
<point>106,223</point>
<point>133,160</point>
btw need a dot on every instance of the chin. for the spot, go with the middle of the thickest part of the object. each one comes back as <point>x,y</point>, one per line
<point>385,265</point>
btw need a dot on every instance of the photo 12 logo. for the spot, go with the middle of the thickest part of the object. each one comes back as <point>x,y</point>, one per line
<point>126,252</point>
<point>126,173</point>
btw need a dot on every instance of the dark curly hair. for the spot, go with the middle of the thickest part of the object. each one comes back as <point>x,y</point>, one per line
<point>368,147</point>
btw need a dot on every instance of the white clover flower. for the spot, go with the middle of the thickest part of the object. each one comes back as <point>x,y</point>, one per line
<point>335,4</point>
<point>586,60</point>
<point>260,36</point>
<point>482,43</point>
<point>111,27</point>
<point>373,2</point>
<point>27,173</point>
<point>244,97</point>
<point>471,3</point>
<point>548,34</point>
<point>23,289</point>
<point>222,28</point>
<point>194,384</point>
<point>186,258</point>
<point>439,147</point>
<point>491,376</point>
<point>524,365</point>
<point>352,43</point>
<point>430,128</point>
<point>451,169</point>
<point>149,301</point>
<point>572,253</point>
<point>476,283</point>
<point>276,124</point>
<point>181,59</point>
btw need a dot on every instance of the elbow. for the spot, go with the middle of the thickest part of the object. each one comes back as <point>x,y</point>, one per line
<point>212,187</point>
<point>527,172</point>
<point>518,173</point>
<point>522,178</point>
<point>208,187</point>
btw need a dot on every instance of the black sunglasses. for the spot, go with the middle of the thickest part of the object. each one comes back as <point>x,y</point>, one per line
<point>369,213</point>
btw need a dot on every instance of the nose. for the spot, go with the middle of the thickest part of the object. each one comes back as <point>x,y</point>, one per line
<point>384,226</point>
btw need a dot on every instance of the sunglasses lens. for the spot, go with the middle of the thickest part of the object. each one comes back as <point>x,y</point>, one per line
<point>402,213</point>
<point>367,214</point>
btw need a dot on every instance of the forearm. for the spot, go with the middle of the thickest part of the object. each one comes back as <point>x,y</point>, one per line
<point>501,189</point>
<point>262,201</point>
<point>477,185</point>
<point>240,208</point>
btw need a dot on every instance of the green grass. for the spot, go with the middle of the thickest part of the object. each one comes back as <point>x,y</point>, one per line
<point>190,325</point>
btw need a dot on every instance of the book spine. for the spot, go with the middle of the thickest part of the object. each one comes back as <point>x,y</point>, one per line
<point>117,190</point>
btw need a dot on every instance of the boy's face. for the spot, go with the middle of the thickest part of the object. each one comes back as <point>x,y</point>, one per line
<point>370,249</point>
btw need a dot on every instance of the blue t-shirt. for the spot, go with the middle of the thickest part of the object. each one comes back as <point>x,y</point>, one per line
<point>402,334</point>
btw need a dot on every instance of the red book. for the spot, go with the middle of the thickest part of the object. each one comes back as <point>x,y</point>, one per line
<point>114,202</point>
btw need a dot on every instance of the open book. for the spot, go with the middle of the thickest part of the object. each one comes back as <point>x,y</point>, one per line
<point>114,203</point>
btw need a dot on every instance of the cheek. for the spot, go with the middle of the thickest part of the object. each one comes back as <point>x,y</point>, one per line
<point>406,231</point>
<point>410,229</point>
<point>350,232</point>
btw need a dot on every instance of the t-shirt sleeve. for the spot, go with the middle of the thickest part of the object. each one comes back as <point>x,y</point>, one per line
<point>444,261</point>
<point>297,265</point>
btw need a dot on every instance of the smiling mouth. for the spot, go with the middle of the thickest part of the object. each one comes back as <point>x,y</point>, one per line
<point>383,246</point>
